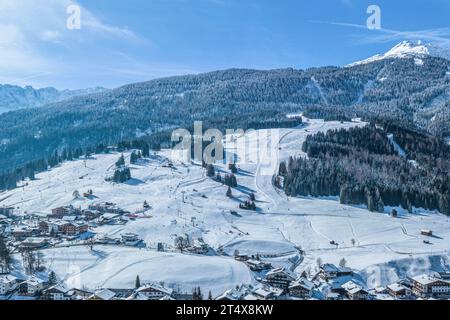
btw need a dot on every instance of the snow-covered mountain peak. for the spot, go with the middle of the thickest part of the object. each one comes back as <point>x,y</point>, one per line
<point>409,49</point>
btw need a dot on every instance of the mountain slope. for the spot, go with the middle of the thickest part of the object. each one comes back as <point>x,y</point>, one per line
<point>397,89</point>
<point>15,97</point>
<point>409,49</point>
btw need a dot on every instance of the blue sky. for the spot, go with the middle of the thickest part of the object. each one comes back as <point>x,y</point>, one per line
<point>136,40</point>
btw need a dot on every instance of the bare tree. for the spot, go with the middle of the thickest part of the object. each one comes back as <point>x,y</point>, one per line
<point>29,261</point>
<point>343,263</point>
<point>353,241</point>
<point>76,194</point>
<point>181,243</point>
<point>40,261</point>
<point>90,243</point>
<point>5,257</point>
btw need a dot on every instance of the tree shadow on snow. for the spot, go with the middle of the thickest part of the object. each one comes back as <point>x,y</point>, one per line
<point>134,182</point>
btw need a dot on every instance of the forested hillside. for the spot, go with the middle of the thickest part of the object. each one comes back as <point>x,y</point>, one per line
<point>392,89</point>
<point>363,166</point>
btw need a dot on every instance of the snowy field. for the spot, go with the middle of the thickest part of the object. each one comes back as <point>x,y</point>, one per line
<point>381,246</point>
<point>110,267</point>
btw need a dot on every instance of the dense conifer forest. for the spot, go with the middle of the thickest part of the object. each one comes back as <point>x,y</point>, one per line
<point>363,166</point>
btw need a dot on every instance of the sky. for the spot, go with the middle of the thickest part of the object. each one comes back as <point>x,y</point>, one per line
<point>122,42</point>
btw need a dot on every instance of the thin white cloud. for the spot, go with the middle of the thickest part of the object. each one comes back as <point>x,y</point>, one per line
<point>439,36</point>
<point>30,31</point>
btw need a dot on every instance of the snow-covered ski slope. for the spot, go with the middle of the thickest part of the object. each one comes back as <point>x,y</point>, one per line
<point>382,247</point>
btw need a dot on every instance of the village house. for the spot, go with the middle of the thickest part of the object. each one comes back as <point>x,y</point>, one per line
<point>257,265</point>
<point>108,218</point>
<point>333,296</point>
<point>33,243</point>
<point>269,293</point>
<point>106,207</point>
<point>301,288</point>
<point>78,294</point>
<point>58,292</point>
<point>70,218</point>
<point>91,214</point>
<point>279,278</point>
<point>20,233</point>
<point>103,294</point>
<point>354,291</point>
<point>380,293</point>
<point>241,257</point>
<point>69,227</point>
<point>7,211</point>
<point>130,239</point>
<point>198,246</point>
<point>50,226</point>
<point>74,228</point>
<point>8,283</point>
<point>426,286</point>
<point>330,271</point>
<point>426,232</point>
<point>108,240</point>
<point>4,223</point>
<point>235,294</point>
<point>64,211</point>
<point>154,291</point>
<point>398,291</point>
<point>122,294</point>
<point>34,286</point>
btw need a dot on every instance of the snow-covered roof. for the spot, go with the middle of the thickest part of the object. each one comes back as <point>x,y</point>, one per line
<point>303,283</point>
<point>156,287</point>
<point>328,267</point>
<point>110,215</point>
<point>236,293</point>
<point>69,218</point>
<point>104,294</point>
<point>267,291</point>
<point>33,240</point>
<point>396,287</point>
<point>59,287</point>
<point>8,278</point>
<point>352,287</point>
<point>282,270</point>
<point>230,294</point>
<point>250,297</point>
<point>137,296</point>
<point>424,279</point>
<point>254,262</point>
<point>33,281</point>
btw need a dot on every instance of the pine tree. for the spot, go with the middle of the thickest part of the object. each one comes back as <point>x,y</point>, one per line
<point>52,280</point>
<point>210,171</point>
<point>233,168</point>
<point>137,283</point>
<point>199,294</point>
<point>133,157</point>
<point>120,162</point>
<point>229,193</point>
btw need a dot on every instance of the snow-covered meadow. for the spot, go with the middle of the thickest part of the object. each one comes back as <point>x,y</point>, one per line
<point>185,201</point>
